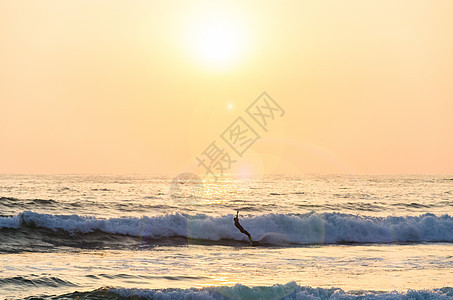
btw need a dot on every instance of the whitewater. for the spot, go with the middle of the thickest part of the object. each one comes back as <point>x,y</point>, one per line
<point>320,237</point>
<point>273,229</point>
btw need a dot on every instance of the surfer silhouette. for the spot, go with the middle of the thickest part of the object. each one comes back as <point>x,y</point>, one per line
<point>241,229</point>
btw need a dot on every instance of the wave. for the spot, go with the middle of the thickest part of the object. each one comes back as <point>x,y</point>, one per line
<point>34,280</point>
<point>278,229</point>
<point>11,201</point>
<point>288,291</point>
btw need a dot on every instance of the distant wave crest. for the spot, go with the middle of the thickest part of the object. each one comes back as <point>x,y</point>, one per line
<point>288,291</point>
<point>269,229</point>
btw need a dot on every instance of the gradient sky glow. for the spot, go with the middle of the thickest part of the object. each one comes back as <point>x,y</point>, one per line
<point>145,86</point>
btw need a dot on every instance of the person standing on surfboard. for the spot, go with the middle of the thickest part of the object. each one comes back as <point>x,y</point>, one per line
<point>241,229</point>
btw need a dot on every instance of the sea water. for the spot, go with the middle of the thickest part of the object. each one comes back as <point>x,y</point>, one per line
<point>320,237</point>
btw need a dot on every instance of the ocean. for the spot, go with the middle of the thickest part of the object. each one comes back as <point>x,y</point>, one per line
<point>167,237</point>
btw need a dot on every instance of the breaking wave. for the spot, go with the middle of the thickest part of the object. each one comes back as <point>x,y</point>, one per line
<point>277,229</point>
<point>288,291</point>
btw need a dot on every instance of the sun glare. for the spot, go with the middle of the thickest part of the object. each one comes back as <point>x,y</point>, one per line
<point>216,38</point>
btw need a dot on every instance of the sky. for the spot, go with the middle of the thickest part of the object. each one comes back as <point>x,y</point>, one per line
<point>123,87</point>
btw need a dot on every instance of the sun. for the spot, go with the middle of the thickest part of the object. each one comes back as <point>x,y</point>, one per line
<point>217,38</point>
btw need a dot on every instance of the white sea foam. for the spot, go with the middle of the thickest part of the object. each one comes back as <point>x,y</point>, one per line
<point>269,229</point>
<point>288,291</point>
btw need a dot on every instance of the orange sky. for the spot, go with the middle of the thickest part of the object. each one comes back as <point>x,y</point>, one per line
<point>146,86</point>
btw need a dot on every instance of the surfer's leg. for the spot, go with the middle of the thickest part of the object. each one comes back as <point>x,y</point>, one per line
<point>241,229</point>
<point>248,234</point>
<point>245,232</point>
